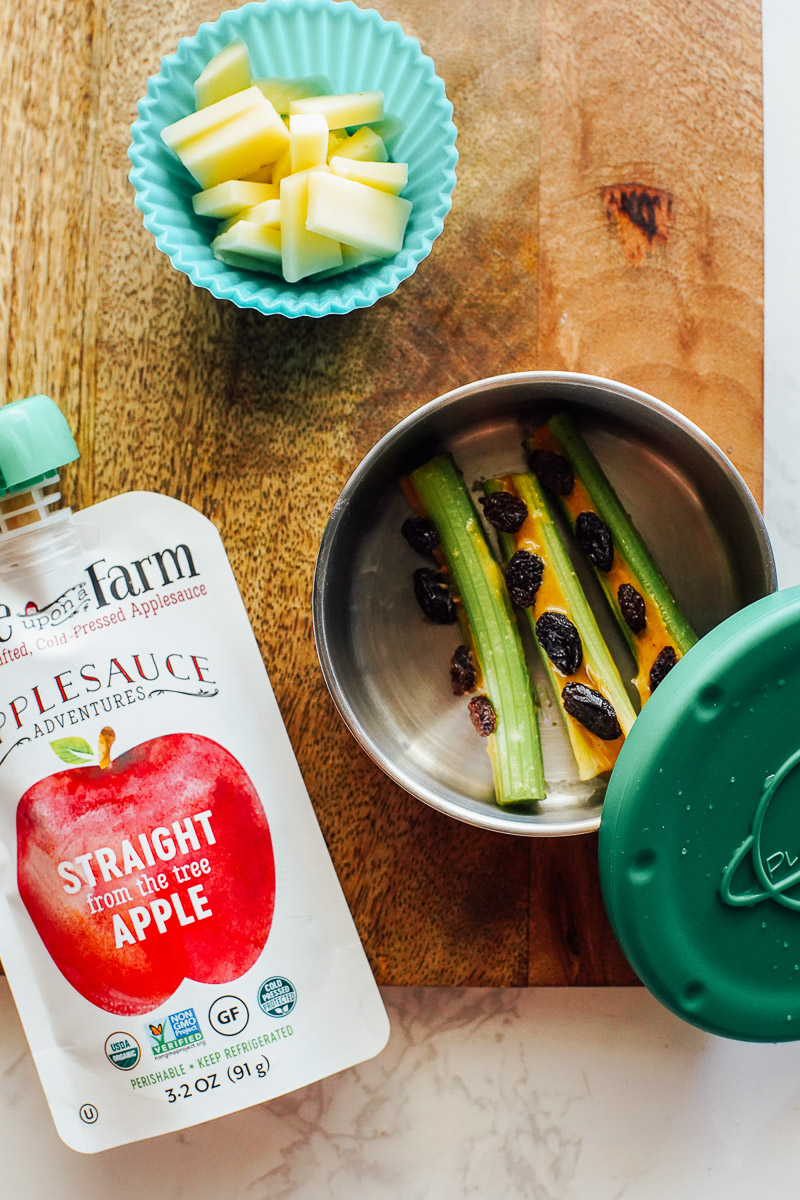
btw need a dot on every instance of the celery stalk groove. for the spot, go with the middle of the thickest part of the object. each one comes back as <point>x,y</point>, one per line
<point>664,629</point>
<point>627,539</point>
<point>514,747</point>
<point>600,665</point>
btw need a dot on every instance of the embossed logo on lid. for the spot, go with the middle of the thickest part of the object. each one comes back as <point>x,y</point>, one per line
<point>771,857</point>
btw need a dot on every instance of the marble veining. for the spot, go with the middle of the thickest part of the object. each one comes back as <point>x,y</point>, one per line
<point>527,1095</point>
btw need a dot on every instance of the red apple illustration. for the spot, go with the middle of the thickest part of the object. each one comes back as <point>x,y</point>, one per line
<point>143,871</point>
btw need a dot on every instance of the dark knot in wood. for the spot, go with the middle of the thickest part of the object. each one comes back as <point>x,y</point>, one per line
<point>642,217</point>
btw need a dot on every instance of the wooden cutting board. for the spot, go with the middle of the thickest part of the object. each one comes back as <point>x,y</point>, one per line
<point>607,218</point>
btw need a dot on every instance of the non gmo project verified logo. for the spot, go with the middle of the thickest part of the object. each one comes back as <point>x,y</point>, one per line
<point>175,1032</point>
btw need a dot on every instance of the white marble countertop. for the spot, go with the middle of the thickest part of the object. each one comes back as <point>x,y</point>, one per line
<point>593,1094</point>
<point>597,1094</point>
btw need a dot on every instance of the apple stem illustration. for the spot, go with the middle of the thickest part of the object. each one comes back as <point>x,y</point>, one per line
<point>104,744</point>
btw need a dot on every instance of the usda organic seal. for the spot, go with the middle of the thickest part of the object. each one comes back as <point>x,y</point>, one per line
<point>277,996</point>
<point>123,1051</point>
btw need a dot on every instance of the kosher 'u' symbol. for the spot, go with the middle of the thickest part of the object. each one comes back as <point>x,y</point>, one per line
<point>767,887</point>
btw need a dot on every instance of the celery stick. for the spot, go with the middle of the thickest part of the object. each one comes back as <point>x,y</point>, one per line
<point>561,591</point>
<point>514,747</point>
<point>666,626</point>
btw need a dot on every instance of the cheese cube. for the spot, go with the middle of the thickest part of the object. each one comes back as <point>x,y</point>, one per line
<point>308,141</point>
<point>365,145</point>
<point>255,247</point>
<point>231,197</point>
<point>304,252</point>
<point>281,92</point>
<point>266,213</point>
<point>386,176</point>
<point>356,214</point>
<point>227,72</point>
<point>197,124</point>
<point>237,147</point>
<point>354,108</point>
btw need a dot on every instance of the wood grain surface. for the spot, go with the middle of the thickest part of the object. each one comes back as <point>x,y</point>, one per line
<point>607,218</point>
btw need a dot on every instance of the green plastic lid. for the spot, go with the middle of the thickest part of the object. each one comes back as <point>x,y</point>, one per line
<point>35,440</point>
<point>700,836</point>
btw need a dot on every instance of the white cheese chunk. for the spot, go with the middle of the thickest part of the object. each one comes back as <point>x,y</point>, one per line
<point>308,141</point>
<point>200,123</point>
<point>304,252</point>
<point>227,72</point>
<point>386,176</point>
<point>238,146</point>
<point>266,213</point>
<point>281,92</point>
<point>353,108</point>
<point>354,213</point>
<point>231,197</point>
<point>255,247</point>
<point>364,144</point>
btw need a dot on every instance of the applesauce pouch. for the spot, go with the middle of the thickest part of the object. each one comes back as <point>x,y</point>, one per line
<point>172,928</point>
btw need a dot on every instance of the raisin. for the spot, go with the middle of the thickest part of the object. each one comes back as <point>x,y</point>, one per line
<point>504,510</point>
<point>631,605</point>
<point>420,533</point>
<point>561,640</point>
<point>433,597</point>
<point>592,710</point>
<point>482,715</point>
<point>552,470</point>
<point>662,666</point>
<point>595,540</point>
<point>462,671</point>
<point>523,578</point>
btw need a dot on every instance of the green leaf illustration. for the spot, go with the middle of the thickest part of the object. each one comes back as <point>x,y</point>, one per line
<point>72,750</point>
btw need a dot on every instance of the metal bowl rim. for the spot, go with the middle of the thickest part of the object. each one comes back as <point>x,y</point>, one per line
<point>496,819</point>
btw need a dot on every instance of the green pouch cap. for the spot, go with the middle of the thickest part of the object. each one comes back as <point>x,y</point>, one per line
<point>35,440</point>
<point>700,835</point>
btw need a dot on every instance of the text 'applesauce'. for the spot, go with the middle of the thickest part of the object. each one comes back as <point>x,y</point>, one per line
<point>166,892</point>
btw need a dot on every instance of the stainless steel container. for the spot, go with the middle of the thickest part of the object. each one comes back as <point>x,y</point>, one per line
<point>387,669</point>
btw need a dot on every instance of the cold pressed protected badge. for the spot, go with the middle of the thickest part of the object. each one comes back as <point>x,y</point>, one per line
<point>277,997</point>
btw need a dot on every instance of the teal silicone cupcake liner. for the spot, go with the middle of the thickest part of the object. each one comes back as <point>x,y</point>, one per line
<point>357,51</point>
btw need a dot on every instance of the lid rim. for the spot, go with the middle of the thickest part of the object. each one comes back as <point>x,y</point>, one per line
<point>708,961</point>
